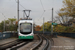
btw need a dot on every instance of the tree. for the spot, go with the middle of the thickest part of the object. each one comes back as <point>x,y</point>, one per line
<point>1,26</point>
<point>67,11</point>
<point>69,8</point>
<point>10,25</point>
<point>37,28</point>
<point>47,26</point>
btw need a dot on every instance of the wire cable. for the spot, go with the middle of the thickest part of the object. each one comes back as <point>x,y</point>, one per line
<point>20,5</point>
<point>42,14</point>
<point>42,4</point>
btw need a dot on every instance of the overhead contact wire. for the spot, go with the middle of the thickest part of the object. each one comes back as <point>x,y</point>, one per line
<point>43,9</point>
<point>42,4</point>
<point>20,5</point>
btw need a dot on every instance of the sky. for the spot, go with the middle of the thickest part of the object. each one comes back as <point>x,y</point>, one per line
<point>39,9</point>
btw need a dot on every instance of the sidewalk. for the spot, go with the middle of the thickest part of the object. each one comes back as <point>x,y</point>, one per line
<point>7,40</point>
<point>63,43</point>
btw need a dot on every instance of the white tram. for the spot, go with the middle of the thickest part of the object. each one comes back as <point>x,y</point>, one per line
<point>25,29</point>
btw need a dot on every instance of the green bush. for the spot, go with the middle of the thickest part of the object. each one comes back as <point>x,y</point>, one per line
<point>73,30</point>
<point>65,29</point>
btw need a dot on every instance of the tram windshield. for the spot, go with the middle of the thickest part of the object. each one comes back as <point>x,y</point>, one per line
<point>25,27</point>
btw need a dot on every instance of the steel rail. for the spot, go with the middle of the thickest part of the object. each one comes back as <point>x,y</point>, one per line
<point>35,47</point>
<point>47,43</point>
<point>51,43</point>
<point>15,48</point>
<point>8,42</point>
<point>8,46</point>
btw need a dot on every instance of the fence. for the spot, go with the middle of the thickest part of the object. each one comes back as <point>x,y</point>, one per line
<point>46,33</point>
<point>14,34</point>
<point>67,34</point>
<point>55,34</point>
<point>7,35</point>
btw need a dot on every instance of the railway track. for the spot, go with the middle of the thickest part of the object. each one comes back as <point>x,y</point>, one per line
<point>9,42</point>
<point>36,44</point>
<point>47,43</point>
<point>13,45</point>
<point>51,41</point>
<point>39,43</point>
<point>43,43</point>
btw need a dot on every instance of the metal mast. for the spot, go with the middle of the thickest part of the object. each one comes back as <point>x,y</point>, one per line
<point>18,10</point>
<point>4,24</point>
<point>52,23</point>
<point>43,25</point>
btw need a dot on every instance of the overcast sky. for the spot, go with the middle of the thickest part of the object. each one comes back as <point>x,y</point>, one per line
<point>9,9</point>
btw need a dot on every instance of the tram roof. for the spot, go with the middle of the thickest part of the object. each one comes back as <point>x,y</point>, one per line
<point>23,21</point>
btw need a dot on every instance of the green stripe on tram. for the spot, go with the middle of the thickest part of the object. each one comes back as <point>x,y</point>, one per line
<point>25,37</point>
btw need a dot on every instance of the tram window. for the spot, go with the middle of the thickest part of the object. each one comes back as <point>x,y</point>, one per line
<point>25,27</point>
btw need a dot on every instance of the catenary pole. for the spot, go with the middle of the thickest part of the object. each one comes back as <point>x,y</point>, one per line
<point>18,10</point>
<point>43,25</point>
<point>52,22</point>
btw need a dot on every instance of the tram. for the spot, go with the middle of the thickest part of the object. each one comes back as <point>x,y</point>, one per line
<point>25,29</point>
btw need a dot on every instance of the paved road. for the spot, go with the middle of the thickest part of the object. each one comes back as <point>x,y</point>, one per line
<point>63,43</point>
